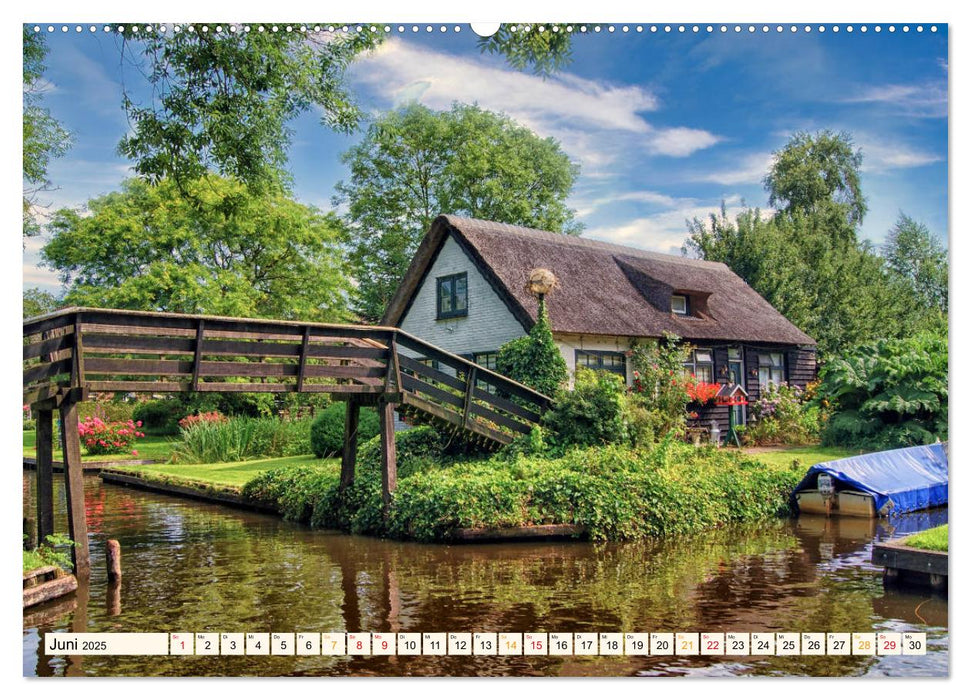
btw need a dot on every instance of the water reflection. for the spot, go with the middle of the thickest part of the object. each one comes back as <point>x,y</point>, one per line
<point>195,567</point>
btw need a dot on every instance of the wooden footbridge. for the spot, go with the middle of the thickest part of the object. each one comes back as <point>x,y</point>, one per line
<point>73,353</point>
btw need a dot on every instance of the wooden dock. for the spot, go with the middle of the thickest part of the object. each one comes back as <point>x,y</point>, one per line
<point>47,583</point>
<point>905,565</point>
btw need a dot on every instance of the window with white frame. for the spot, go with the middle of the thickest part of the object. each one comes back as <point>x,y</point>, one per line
<point>771,368</point>
<point>679,304</point>
<point>700,365</point>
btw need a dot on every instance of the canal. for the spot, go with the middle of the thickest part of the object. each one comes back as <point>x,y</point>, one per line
<point>193,567</point>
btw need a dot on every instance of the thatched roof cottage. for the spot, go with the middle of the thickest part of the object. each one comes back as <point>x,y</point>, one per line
<point>466,291</point>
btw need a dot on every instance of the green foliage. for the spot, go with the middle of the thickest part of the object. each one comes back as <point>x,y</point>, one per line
<point>534,359</point>
<point>614,492</point>
<point>222,101</point>
<point>592,413</point>
<point>162,416</point>
<point>210,246</point>
<point>414,164</point>
<point>49,553</point>
<point>918,258</point>
<point>543,51</point>
<point>327,429</point>
<point>818,173</point>
<point>37,302</point>
<point>808,260</point>
<point>783,415</point>
<point>658,401</point>
<point>239,439</point>
<point>892,393</point>
<point>44,137</point>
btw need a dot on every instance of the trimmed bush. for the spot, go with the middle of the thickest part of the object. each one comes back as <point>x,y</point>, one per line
<point>160,416</point>
<point>327,429</point>
<point>592,413</point>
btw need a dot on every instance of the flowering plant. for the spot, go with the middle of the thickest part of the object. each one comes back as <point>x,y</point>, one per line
<point>209,417</point>
<point>101,438</point>
<point>701,392</point>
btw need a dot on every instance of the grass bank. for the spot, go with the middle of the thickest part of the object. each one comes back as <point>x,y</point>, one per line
<point>801,457</point>
<point>934,539</point>
<point>154,447</point>
<point>231,473</point>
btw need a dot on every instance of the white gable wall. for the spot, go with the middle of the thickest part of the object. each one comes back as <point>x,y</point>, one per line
<point>489,323</point>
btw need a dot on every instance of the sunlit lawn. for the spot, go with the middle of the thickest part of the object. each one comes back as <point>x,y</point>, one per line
<point>805,456</point>
<point>231,473</point>
<point>155,447</point>
<point>934,539</point>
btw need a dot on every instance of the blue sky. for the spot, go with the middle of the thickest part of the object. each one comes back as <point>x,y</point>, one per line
<point>664,126</point>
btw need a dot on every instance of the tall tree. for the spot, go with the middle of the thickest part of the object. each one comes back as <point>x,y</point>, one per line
<point>836,291</point>
<point>219,249</point>
<point>44,137</point>
<point>819,174</point>
<point>223,95</point>
<point>414,164</point>
<point>222,99</point>
<point>914,254</point>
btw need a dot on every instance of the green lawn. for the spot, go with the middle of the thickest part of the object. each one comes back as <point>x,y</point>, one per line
<point>934,539</point>
<point>157,447</point>
<point>231,473</point>
<point>805,456</point>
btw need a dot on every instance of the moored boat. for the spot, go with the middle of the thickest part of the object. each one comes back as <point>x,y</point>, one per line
<point>876,484</point>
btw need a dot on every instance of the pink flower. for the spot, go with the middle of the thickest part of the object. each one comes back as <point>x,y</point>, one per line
<point>134,453</point>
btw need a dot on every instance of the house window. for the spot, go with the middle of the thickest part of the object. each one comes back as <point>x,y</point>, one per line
<point>771,368</point>
<point>453,295</point>
<point>700,365</point>
<point>603,360</point>
<point>679,304</point>
<point>487,360</point>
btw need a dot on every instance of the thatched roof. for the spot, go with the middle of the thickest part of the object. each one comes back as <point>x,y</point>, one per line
<point>604,289</point>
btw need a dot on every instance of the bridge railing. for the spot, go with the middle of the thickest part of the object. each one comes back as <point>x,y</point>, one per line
<point>103,350</point>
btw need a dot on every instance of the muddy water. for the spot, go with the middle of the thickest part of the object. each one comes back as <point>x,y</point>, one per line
<point>192,567</point>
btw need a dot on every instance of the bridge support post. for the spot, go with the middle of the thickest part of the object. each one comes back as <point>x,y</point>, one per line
<point>389,454</point>
<point>349,455</point>
<point>45,472</point>
<point>77,524</point>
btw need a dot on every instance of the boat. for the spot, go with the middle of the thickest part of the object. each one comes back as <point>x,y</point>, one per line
<point>876,484</point>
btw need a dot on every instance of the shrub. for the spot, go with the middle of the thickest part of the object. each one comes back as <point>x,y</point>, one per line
<point>614,492</point>
<point>100,438</point>
<point>327,429</point>
<point>242,438</point>
<point>534,359</point>
<point>782,415</point>
<point>658,387</point>
<point>889,394</point>
<point>160,416</point>
<point>592,413</point>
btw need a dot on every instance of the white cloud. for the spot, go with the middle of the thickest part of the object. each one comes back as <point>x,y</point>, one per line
<point>665,231</point>
<point>595,122</point>
<point>926,100</point>
<point>749,170</point>
<point>586,207</point>
<point>878,158</point>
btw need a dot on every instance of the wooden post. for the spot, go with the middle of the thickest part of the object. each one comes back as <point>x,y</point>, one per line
<point>389,454</point>
<point>349,456</point>
<point>45,473</point>
<point>113,560</point>
<point>77,524</point>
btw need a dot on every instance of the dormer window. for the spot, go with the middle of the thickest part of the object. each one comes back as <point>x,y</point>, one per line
<point>679,304</point>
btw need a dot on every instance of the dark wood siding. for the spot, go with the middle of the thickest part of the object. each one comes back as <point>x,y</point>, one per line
<point>800,369</point>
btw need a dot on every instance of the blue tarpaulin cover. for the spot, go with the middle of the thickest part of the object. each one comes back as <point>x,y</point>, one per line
<point>911,478</point>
